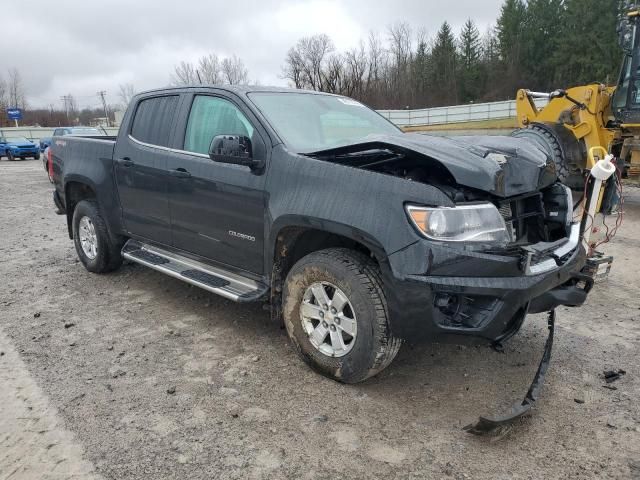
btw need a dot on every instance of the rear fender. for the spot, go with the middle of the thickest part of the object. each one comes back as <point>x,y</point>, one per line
<point>107,202</point>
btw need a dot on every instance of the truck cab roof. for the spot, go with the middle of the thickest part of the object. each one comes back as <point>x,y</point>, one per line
<point>237,89</point>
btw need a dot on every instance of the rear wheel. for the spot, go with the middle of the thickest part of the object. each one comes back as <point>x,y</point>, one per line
<point>10,156</point>
<point>335,313</point>
<point>91,238</point>
<point>36,156</point>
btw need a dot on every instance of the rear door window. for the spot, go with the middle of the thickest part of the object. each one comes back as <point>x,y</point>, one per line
<point>153,120</point>
<point>211,116</point>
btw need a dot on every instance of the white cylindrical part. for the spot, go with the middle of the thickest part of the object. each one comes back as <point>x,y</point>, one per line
<point>603,169</point>
<point>591,210</point>
<point>600,172</point>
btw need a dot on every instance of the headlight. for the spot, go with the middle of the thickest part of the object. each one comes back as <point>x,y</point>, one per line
<point>480,222</point>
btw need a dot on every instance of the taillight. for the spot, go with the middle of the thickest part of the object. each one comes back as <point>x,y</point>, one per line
<point>49,163</point>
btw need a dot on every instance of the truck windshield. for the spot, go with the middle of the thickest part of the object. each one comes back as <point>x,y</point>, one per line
<point>17,140</point>
<point>309,122</point>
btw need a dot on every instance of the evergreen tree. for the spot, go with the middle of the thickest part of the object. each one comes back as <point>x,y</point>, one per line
<point>543,34</point>
<point>589,51</point>
<point>509,27</point>
<point>420,75</point>
<point>442,67</point>
<point>470,48</point>
<point>491,67</point>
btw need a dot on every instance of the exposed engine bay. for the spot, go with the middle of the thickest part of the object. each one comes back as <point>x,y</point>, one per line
<point>541,215</point>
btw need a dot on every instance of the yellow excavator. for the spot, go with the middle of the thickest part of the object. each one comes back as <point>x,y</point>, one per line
<point>581,125</point>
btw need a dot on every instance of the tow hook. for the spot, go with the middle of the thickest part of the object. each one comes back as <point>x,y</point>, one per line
<point>486,425</point>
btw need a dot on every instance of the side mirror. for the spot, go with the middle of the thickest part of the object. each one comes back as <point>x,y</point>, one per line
<point>234,149</point>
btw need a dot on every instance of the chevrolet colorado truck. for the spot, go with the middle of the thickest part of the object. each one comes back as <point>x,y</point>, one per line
<point>358,235</point>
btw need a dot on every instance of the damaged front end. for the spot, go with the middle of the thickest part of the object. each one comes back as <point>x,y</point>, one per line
<point>477,283</point>
<point>521,252</point>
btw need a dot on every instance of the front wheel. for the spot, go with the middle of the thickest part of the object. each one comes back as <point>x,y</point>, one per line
<point>10,156</point>
<point>36,156</point>
<point>335,312</point>
<point>91,238</point>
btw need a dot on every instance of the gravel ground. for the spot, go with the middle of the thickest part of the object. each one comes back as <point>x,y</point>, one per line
<point>152,378</point>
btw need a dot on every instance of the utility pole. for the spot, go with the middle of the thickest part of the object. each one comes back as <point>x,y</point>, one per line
<point>65,100</point>
<point>101,94</point>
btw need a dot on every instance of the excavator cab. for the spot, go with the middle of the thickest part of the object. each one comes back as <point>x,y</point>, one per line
<point>625,104</point>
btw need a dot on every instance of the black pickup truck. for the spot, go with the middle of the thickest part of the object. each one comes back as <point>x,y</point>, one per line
<point>359,236</point>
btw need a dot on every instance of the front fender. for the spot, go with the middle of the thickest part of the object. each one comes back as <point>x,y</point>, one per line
<point>362,205</point>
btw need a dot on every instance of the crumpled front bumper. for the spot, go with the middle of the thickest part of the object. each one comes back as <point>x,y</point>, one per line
<point>443,292</point>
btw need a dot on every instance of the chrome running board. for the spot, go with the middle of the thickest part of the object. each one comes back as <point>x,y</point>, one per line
<point>216,280</point>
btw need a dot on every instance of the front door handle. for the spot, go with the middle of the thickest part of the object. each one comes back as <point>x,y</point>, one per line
<point>125,162</point>
<point>180,173</point>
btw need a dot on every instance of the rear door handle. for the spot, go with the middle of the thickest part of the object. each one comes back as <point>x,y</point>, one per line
<point>125,162</point>
<point>180,173</point>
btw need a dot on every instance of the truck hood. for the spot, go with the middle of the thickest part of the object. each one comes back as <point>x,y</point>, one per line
<point>502,166</point>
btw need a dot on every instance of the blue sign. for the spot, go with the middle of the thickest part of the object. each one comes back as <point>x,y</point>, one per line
<point>14,114</point>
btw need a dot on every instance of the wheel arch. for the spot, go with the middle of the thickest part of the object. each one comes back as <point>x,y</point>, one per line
<point>76,190</point>
<point>294,237</point>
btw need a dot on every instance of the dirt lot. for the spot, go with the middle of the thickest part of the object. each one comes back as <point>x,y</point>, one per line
<point>106,350</point>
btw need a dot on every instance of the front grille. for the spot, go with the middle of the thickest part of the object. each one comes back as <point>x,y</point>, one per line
<point>505,211</point>
<point>524,216</point>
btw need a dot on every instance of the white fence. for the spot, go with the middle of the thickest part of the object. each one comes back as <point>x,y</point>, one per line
<point>403,118</point>
<point>455,114</point>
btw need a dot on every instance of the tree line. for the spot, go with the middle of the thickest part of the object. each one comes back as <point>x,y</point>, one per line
<point>535,44</point>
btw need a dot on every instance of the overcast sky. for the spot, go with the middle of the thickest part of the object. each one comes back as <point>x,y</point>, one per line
<point>83,46</point>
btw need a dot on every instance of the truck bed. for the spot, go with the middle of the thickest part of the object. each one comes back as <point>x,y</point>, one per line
<point>81,159</point>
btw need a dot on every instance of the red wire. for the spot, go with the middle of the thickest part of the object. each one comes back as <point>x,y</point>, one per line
<point>619,219</point>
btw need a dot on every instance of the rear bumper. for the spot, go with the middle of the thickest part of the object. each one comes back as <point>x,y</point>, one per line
<point>485,296</point>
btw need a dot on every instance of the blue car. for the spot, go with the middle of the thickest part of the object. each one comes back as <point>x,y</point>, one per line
<point>44,143</point>
<point>18,147</point>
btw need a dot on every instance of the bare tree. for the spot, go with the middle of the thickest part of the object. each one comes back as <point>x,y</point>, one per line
<point>15,89</point>
<point>400,43</point>
<point>210,69</point>
<point>292,69</point>
<point>332,76</point>
<point>234,72</point>
<point>400,47</point>
<point>184,74</point>
<point>126,91</point>
<point>356,66</point>
<point>3,93</point>
<point>306,62</point>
